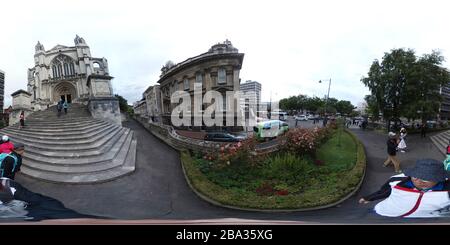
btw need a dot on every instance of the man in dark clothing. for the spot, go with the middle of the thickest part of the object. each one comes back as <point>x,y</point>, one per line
<point>11,164</point>
<point>392,152</point>
<point>423,130</point>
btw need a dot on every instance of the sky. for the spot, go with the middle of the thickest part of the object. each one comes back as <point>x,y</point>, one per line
<point>289,45</point>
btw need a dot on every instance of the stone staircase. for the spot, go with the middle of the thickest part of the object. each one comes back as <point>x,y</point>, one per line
<point>441,141</point>
<point>74,147</point>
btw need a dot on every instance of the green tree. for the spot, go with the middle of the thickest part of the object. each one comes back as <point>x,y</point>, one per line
<point>372,106</point>
<point>388,82</point>
<point>344,107</point>
<point>123,104</point>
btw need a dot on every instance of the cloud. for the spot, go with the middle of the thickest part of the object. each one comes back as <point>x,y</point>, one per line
<point>288,45</point>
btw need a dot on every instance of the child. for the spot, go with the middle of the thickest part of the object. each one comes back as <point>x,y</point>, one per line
<point>402,143</point>
<point>447,159</point>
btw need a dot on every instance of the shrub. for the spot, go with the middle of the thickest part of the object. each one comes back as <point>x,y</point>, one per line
<point>303,141</point>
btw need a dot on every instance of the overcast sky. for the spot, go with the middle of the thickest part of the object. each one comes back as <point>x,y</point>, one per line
<point>288,45</point>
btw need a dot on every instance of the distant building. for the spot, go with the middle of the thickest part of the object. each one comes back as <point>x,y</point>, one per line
<point>140,108</point>
<point>251,96</point>
<point>444,110</point>
<point>2,89</point>
<point>152,97</point>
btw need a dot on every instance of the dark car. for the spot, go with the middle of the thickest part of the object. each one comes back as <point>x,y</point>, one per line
<point>223,137</point>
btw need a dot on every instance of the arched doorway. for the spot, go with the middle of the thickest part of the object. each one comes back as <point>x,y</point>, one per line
<point>64,91</point>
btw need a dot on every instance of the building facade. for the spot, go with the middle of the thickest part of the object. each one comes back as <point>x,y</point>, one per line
<point>152,97</point>
<point>251,96</point>
<point>444,110</point>
<point>65,73</point>
<point>218,70</point>
<point>140,108</point>
<point>2,89</point>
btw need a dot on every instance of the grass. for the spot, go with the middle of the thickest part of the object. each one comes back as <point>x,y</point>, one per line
<point>283,180</point>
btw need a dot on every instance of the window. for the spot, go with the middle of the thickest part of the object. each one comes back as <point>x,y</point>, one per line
<point>55,74</point>
<point>66,69</point>
<point>222,76</point>
<point>59,71</point>
<point>199,78</point>
<point>72,69</point>
<point>186,84</point>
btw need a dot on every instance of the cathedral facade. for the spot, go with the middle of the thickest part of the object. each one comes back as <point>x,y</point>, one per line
<point>64,73</point>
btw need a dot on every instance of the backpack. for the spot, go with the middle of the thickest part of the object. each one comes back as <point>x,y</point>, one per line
<point>2,165</point>
<point>447,163</point>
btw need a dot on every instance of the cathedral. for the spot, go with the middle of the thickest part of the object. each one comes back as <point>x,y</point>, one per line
<point>64,73</point>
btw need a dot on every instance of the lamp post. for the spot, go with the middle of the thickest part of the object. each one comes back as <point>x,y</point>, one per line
<point>328,94</point>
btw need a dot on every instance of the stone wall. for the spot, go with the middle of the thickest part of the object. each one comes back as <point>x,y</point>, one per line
<point>105,109</point>
<point>169,136</point>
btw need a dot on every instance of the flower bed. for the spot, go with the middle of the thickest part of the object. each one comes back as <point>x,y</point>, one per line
<point>313,168</point>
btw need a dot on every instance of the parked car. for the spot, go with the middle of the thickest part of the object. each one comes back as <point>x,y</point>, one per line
<point>223,137</point>
<point>311,117</point>
<point>301,118</point>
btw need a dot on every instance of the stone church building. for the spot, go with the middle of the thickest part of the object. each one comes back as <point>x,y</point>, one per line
<point>64,73</point>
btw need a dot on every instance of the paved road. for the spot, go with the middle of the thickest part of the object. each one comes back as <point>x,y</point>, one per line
<point>157,190</point>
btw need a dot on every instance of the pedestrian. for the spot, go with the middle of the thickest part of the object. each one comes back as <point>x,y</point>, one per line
<point>447,159</point>
<point>6,146</point>
<point>10,163</point>
<point>325,121</point>
<point>59,107</point>
<point>422,192</point>
<point>22,120</point>
<point>423,130</point>
<point>402,143</point>
<point>65,106</point>
<point>392,144</point>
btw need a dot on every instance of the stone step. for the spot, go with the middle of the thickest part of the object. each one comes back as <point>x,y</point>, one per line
<point>94,149</point>
<point>56,130</point>
<point>59,135</point>
<point>86,178</point>
<point>77,157</point>
<point>72,144</point>
<point>59,122</point>
<point>84,168</point>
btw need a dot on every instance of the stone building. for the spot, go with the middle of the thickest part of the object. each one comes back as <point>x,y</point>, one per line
<point>140,108</point>
<point>218,70</point>
<point>152,97</point>
<point>64,72</point>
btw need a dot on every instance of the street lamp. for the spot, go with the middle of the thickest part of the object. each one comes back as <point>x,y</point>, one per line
<point>328,95</point>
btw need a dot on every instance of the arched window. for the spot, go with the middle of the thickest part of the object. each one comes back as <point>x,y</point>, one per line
<point>59,70</point>
<point>72,69</point>
<point>66,69</point>
<point>96,65</point>
<point>55,74</point>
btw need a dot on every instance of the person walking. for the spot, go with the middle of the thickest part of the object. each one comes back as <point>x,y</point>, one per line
<point>65,106</point>
<point>59,107</point>
<point>423,130</point>
<point>402,144</point>
<point>22,120</point>
<point>392,144</point>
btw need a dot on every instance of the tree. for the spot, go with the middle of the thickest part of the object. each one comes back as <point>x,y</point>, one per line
<point>344,107</point>
<point>123,104</point>
<point>388,82</point>
<point>372,106</point>
<point>406,85</point>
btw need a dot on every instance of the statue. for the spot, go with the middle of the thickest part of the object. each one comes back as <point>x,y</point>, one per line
<point>79,40</point>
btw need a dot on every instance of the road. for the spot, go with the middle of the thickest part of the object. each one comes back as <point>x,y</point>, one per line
<point>158,190</point>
